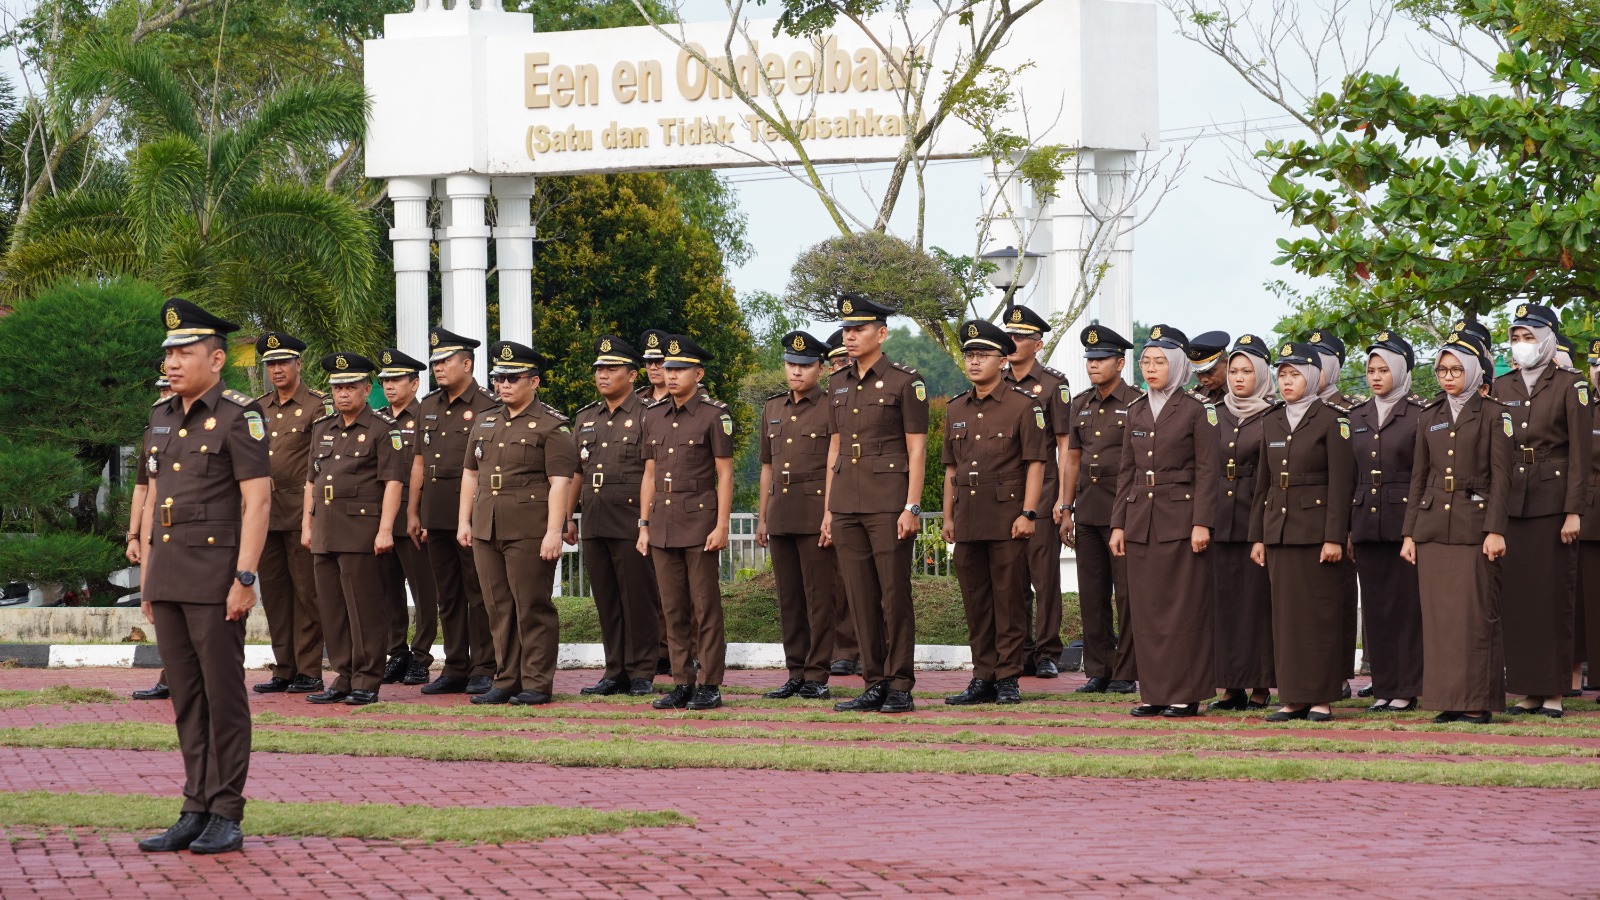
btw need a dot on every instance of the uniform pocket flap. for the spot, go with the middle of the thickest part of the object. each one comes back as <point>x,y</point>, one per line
<point>890,465</point>
<point>363,508</point>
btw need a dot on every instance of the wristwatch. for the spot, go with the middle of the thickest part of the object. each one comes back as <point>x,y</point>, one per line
<point>245,578</point>
<point>1069,507</point>
<point>1030,515</point>
<point>914,509</point>
<point>644,523</point>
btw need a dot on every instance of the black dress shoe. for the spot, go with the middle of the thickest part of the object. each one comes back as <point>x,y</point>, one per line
<point>493,696</point>
<point>789,689</point>
<point>1006,691</point>
<point>1482,718</point>
<point>709,696</point>
<point>182,833</point>
<point>1095,685</point>
<point>328,696</point>
<point>445,685</point>
<point>663,666</point>
<point>221,836</point>
<point>897,702</point>
<point>529,698</point>
<point>1314,716</point>
<point>1028,669</point>
<point>416,673</point>
<point>1237,701</point>
<point>1281,716</point>
<point>1380,706</point>
<point>1121,686</point>
<point>844,667</point>
<point>605,687</point>
<point>678,698</point>
<point>1046,668</point>
<point>978,691</point>
<point>1446,718</point>
<point>1181,711</point>
<point>480,684</point>
<point>814,690</point>
<point>1410,704</point>
<point>1147,710</point>
<point>305,684</point>
<point>361,698</point>
<point>398,665</point>
<point>641,687</point>
<point>1344,692</point>
<point>1365,692</point>
<point>159,692</point>
<point>1522,710</point>
<point>870,700</point>
<point>274,685</point>
<point>1551,713</point>
<point>1572,692</point>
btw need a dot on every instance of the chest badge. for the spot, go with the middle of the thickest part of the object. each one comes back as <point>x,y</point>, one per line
<point>628,424</point>
<point>878,384</point>
<point>152,466</point>
<point>583,454</point>
<point>922,390</point>
<point>1344,429</point>
<point>477,450</point>
<point>258,429</point>
<point>211,424</point>
<point>427,438</point>
<point>1505,423</point>
<point>299,412</point>
<point>361,438</point>
<point>467,415</point>
<point>1037,388</point>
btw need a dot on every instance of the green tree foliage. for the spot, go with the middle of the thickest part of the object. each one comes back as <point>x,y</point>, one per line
<point>915,349</point>
<point>891,271</point>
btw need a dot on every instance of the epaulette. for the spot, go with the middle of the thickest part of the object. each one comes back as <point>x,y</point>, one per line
<point>707,398</point>
<point>1416,400</point>
<point>906,369</point>
<point>432,392</point>
<point>1361,403</point>
<point>1568,369</point>
<point>320,419</point>
<point>1342,410</point>
<point>236,397</point>
<point>590,406</point>
<point>1082,394</point>
<point>960,395</point>
<point>384,417</point>
<point>1029,394</point>
<point>1057,373</point>
<point>1142,396</point>
<point>554,413</point>
<point>1437,399</point>
<point>161,401</point>
<point>776,396</point>
<point>320,395</point>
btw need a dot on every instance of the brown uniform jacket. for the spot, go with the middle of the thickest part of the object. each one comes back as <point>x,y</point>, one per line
<point>989,441</point>
<point>1305,480</point>
<point>1552,425</point>
<point>1050,390</point>
<point>1097,426</point>
<point>515,458</point>
<point>1239,454</point>
<point>289,426</point>
<point>1461,476</point>
<point>610,467</point>
<point>195,463</point>
<point>446,426</point>
<point>873,411</point>
<point>1168,481</point>
<point>406,420</point>
<point>685,442</point>
<point>1383,469</point>
<point>350,466</point>
<point>794,441</point>
<point>1590,528</point>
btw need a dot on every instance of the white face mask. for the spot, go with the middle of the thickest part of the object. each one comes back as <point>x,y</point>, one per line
<point>1526,354</point>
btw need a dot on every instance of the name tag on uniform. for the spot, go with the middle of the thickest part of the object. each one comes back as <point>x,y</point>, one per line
<point>430,416</point>
<point>1120,412</point>
<point>843,390</point>
<point>772,422</point>
<point>165,429</point>
<point>1278,444</point>
<point>1140,434</point>
<point>1359,430</point>
<point>1083,412</point>
<point>955,425</point>
<point>1441,425</point>
<point>1512,402</point>
<point>488,424</point>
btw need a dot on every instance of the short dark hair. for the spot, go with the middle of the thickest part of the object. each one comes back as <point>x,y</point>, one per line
<point>214,342</point>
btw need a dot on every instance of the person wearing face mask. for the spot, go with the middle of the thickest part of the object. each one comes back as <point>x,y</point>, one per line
<point>1455,536</point>
<point>1298,526</point>
<point>1587,620</point>
<point>1330,362</point>
<point>1383,432</point>
<point>1166,504</point>
<point>1242,631</point>
<point>1549,407</point>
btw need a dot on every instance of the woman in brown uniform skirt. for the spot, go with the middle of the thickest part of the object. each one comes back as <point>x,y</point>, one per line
<point>1383,433</point>
<point>1243,632</point>
<point>1166,503</point>
<point>1454,533</point>
<point>1551,424</point>
<point>1298,527</point>
<point>1587,630</point>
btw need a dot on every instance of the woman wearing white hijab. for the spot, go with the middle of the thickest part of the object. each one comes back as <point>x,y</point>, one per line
<point>1383,431</point>
<point>1455,534</point>
<point>1549,408</point>
<point>1166,505</point>
<point>1243,590</point>
<point>1298,526</point>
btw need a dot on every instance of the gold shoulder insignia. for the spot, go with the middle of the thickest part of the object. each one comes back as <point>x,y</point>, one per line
<point>237,398</point>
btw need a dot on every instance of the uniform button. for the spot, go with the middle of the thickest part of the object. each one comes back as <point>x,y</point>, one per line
<point>669,502</point>
<point>1453,453</point>
<point>1230,493</point>
<point>1447,506</point>
<point>501,444</point>
<point>856,411</point>
<point>1374,509</point>
<point>274,434</point>
<point>674,424</point>
<point>337,456</point>
<point>183,432</point>
<point>1284,463</point>
<point>789,441</point>
<point>786,490</point>
<point>211,540</point>
<point>669,449</point>
<point>792,418</point>
<point>1447,470</point>
<point>280,415</point>
<point>1374,490</point>
<point>1230,443</point>
<point>1319,502</point>
<point>177,467</point>
<point>1283,509</point>
<point>1097,434</point>
<point>165,538</point>
<point>494,493</point>
<point>203,449</point>
<point>1149,495</point>
<point>330,477</point>
<point>1374,453</point>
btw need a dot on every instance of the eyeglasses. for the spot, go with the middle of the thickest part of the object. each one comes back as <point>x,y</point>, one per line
<point>979,354</point>
<point>505,379</point>
<point>1449,371</point>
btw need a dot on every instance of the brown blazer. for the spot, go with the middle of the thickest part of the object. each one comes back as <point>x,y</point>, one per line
<point>446,425</point>
<point>289,427</point>
<point>1383,469</point>
<point>990,441</point>
<point>350,466</point>
<point>794,441</point>
<point>1238,455</point>
<point>610,468</point>
<point>1590,528</point>
<point>515,458</point>
<point>195,463</point>
<point>1168,480</point>
<point>406,420</point>
<point>1051,391</point>
<point>873,411</point>
<point>1461,478</point>
<point>685,442</point>
<point>1552,424</point>
<point>1305,480</point>
<point>1096,430</point>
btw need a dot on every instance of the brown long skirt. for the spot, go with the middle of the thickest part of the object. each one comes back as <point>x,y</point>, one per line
<point>1393,615</point>
<point>1540,587</point>
<point>1463,666</point>
<point>1589,569</point>
<point>1309,600</point>
<point>1170,594</point>
<point>1243,632</point>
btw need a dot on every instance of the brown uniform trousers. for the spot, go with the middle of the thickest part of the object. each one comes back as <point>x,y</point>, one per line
<point>1096,431</point>
<point>195,462</point>
<point>845,645</point>
<point>1049,389</point>
<point>794,445</point>
<point>1242,589</point>
<point>515,457</point>
<point>288,584</point>
<point>142,479</point>
<point>446,423</point>
<point>408,566</point>
<point>351,464</point>
<point>1552,424</point>
<point>988,445</point>
<point>1586,640</point>
<point>1459,491</point>
<point>685,442</point>
<point>1303,486</point>
<point>623,582</point>
<point>1166,487</point>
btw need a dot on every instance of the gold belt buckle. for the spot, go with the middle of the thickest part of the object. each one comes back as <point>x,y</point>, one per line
<point>1094,473</point>
<point>1149,478</point>
<point>327,492</point>
<point>1527,455</point>
<point>596,479</point>
<point>1449,484</point>
<point>667,480</point>
<point>1283,480</point>
<point>495,481</point>
<point>433,472</point>
<point>1233,471</point>
<point>785,475</point>
<point>855,451</point>
<point>972,479</point>
<point>1377,477</point>
<point>166,515</point>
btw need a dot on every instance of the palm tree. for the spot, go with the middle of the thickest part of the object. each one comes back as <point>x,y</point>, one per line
<point>208,210</point>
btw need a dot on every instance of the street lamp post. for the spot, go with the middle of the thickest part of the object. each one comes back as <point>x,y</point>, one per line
<point>1013,269</point>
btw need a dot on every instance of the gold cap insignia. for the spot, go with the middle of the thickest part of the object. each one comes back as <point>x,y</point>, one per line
<point>172,318</point>
<point>1246,340</point>
<point>1316,336</point>
<point>605,346</point>
<point>1155,333</point>
<point>654,341</point>
<point>272,342</point>
<point>1383,336</point>
<point>1594,348</point>
<point>1094,336</point>
<point>433,339</point>
<point>847,308</point>
<point>972,331</point>
<point>673,348</point>
<point>1522,310</point>
<point>1016,315</point>
<point>506,353</point>
<point>799,343</point>
<point>339,362</point>
<point>387,359</point>
<point>1459,326</point>
<point>1287,350</point>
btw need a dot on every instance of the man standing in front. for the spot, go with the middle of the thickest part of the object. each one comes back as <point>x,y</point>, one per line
<point>206,458</point>
<point>408,564</point>
<point>288,585</point>
<point>876,462</point>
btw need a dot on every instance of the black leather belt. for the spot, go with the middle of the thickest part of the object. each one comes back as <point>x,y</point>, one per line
<point>170,515</point>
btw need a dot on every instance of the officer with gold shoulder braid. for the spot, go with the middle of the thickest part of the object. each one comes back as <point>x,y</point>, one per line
<point>288,584</point>
<point>400,375</point>
<point>352,497</point>
<point>206,459</point>
<point>846,650</point>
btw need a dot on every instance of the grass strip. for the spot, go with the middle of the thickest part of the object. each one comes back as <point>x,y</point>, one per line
<point>689,754</point>
<point>60,694</point>
<point>372,821</point>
